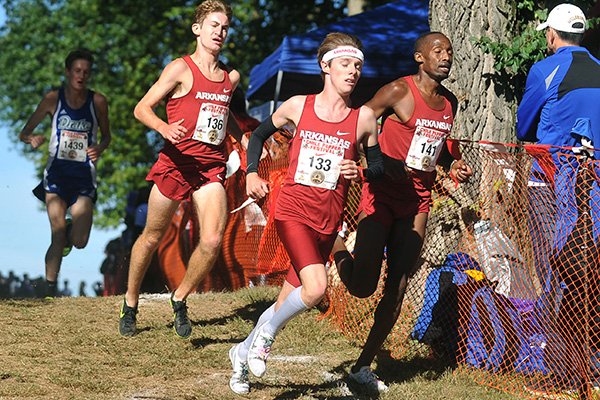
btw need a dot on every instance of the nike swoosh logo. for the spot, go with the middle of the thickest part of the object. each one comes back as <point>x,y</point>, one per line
<point>226,90</point>
<point>342,133</point>
<point>219,177</point>
<point>446,116</point>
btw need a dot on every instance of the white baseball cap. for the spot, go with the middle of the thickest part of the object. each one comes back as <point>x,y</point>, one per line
<point>565,18</point>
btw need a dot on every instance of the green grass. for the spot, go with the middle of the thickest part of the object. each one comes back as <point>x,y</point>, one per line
<point>69,348</point>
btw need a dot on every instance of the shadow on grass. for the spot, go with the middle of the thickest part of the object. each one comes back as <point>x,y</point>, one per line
<point>339,383</point>
<point>250,312</point>
<point>391,370</point>
<point>294,391</point>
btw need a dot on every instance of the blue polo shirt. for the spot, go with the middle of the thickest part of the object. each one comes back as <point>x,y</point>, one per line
<point>559,90</point>
<point>562,96</point>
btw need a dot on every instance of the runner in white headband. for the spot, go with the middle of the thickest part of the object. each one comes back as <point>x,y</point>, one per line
<point>343,51</point>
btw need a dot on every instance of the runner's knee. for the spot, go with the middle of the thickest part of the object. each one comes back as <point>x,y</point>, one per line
<point>80,241</point>
<point>313,293</point>
<point>211,242</point>
<point>150,239</point>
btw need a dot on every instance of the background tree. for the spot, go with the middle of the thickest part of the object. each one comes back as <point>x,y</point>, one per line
<point>495,44</point>
<point>132,42</point>
<point>486,110</point>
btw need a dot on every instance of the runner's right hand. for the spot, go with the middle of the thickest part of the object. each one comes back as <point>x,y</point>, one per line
<point>174,132</point>
<point>36,141</point>
<point>256,187</point>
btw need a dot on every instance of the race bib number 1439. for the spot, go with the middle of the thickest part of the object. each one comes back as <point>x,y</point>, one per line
<point>73,146</point>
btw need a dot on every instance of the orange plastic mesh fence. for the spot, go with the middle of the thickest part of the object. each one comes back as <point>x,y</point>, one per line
<point>507,284</point>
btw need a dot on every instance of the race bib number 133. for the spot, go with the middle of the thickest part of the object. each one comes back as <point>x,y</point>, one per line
<point>319,164</point>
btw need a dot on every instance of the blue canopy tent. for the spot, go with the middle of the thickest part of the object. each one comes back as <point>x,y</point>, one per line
<point>388,34</point>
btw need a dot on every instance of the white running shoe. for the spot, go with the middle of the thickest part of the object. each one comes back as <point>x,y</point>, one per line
<point>238,382</point>
<point>366,377</point>
<point>259,351</point>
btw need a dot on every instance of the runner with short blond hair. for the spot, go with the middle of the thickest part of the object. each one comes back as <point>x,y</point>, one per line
<point>198,91</point>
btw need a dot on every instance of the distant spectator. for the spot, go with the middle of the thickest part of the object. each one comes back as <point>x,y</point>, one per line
<point>560,110</point>
<point>3,286</point>
<point>25,290</point>
<point>66,292</point>
<point>98,288</point>
<point>13,284</point>
<point>82,289</point>
<point>141,211</point>
<point>109,268</point>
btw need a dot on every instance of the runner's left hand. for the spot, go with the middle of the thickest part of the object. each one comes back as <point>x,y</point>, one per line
<point>94,152</point>
<point>349,170</point>
<point>461,171</point>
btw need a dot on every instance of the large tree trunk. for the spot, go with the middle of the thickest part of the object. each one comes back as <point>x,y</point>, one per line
<point>484,111</point>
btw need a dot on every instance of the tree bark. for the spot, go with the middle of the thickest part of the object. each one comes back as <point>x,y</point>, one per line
<point>486,111</point>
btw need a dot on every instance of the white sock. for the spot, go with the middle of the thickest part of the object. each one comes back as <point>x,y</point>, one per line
<point>292,306</point>
<point>263,319</point>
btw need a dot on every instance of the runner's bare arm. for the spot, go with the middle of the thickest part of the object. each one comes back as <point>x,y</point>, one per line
<point>101,105</point>
<point>394,97</point>
<point>367,129</point>
<point>46,107</point>
<point>170,79</point>
<point>289,112</point>
<point>234,77</point>
<point>366,136</point>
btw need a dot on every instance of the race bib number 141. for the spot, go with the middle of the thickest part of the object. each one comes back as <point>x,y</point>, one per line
<point>425,149</point>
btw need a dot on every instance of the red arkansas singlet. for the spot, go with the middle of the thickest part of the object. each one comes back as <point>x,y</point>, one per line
<point>313,191</point>
<point>418,142</point>
<point>205,110</point>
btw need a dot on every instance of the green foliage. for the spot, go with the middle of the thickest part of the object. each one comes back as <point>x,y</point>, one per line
<point>514,58</point>
<point>259,26</point>
<point>524,46</point>
<point>132,43</point>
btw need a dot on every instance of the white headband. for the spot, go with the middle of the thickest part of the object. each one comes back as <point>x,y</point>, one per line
<point>343,51</point>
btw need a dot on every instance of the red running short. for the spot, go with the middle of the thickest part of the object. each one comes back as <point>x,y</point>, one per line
<point>178,182</point>
<point>304,245</point>
<point>387,203</point>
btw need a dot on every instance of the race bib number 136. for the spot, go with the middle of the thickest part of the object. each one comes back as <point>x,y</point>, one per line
<point>211,125</point>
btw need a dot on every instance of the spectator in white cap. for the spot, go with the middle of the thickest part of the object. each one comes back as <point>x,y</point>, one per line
<point>565,18</point>
<point>561,93</point>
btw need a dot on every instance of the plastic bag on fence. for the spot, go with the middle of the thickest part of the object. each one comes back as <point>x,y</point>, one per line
<point>497,254</point>
<point>253,216</point>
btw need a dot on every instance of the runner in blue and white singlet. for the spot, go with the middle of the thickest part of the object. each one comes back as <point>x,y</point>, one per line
<point>80,134</point>
<point>69,171</point>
